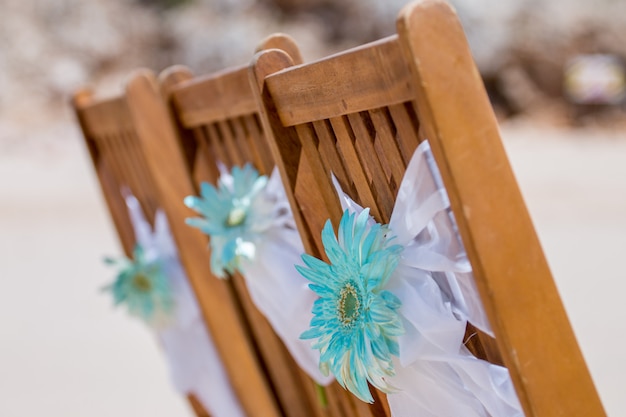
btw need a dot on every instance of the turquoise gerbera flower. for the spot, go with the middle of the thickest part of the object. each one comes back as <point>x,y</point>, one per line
<point>235,214</point>
<point>143,286</point>
<point>355,321</point>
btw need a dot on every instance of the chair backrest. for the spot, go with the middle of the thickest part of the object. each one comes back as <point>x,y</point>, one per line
<point>111,140</point>
<point>115,144</point>
<point>360,114</point>
<point>217,120</point>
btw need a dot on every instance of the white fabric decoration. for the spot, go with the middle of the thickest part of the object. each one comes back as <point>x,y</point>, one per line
<point>436,376</point>
<point>276,288</point>
<point>194,364</point>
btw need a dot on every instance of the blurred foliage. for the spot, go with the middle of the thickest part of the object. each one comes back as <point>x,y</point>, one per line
<point>164,4</point>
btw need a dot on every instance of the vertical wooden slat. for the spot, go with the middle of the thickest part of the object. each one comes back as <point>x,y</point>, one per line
<point>405,131</point>
<point>385,144</point>
<point>137,170</point>
<point>369,160</point>
<point>241,141</point>
<point>214,140</point>
<point>262,152</point>
<point>211,150</point>
<point>279,364</point>
<point>330,157</point>
<point>202,171</point>
<point>228,141</point>
<point>345,144</point>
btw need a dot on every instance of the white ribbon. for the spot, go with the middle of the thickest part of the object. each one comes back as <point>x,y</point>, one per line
<point>435,374</point>
<point>194,364</point>
<point>280,293</point>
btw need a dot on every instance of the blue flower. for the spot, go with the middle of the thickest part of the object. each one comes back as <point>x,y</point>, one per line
<point>235,214</point>
<point>143,286</point>
<point>355,321</point>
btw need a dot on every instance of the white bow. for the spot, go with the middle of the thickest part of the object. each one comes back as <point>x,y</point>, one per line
<point>435,374</point>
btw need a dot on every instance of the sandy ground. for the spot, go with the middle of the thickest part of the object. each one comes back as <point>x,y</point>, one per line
<point>64,352</point>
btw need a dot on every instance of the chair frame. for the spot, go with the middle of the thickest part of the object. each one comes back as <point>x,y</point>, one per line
<point>427,69</point>
<point>209,113</point>
<point>113,136</point>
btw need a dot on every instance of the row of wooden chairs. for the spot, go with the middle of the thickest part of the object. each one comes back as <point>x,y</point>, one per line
<point>359,114</point>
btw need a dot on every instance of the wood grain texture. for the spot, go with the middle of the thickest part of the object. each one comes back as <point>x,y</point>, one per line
<point>215,97</point>
<point>312,97</point>
<point>515,283</point>
<point>220,310</point>
<point>361,114</point>
<point>283,42</point>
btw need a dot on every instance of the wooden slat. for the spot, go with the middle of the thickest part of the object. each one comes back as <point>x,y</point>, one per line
<point>117,207</point>
<point>262,154</point>
<point>241,141</point>
<point>210,135</point>
<point>327,147</point>
<point>515,284</point>
<point>229,142</point>
<point>345,144</point>
<point>387,147</point>
<point>406,130</point>
<point>202,171</point>
<point>355,75</point>
<point>130,169</point>
<point>370,161</point>
<point>281,367</point>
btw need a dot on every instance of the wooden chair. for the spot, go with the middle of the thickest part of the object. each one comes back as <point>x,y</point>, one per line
<point>216,119</point>
<point>113,140</point>
<point>361,114</point>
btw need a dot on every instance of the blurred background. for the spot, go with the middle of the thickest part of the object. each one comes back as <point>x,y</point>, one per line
<point>554,71</point>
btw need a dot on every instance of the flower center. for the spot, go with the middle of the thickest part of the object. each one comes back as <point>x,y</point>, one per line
<point>349,305</point>
<point>142,283</point>
<point>236,216</point>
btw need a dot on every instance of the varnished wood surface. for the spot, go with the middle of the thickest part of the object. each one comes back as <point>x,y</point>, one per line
<point>361,114</point>
<point>311,97</point>
<point>216,97</point>
<point>515,283</point>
